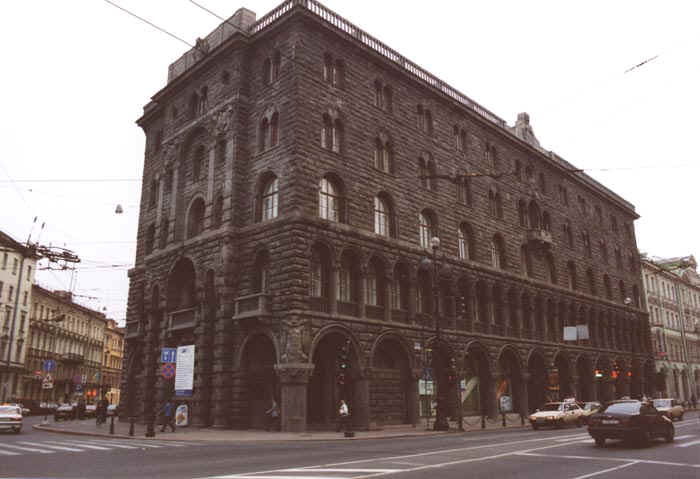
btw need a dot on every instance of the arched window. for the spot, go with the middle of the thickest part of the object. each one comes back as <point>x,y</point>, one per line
<point>551,269</point>
<point>635,295</point>
<point>270,199</point>
<point>327,68</point>
<point>348,277</point>
<point>274,129</point>
<point>332,134</point>
<point>522,213</point>
<point>329,200</point>
<point>591,282</point>
<point>607,286</point>
<point>568,235</point>
<point>495,160</point>
<point>338,74</point>
<point>195,218</point>
<point>164,231</point>
<point>623,291</point>
<point>542,183</point>
<point>202,106</point>
<point>192,106</point>
<point>495,204</point>
<point>464,190</point>
<point>218,212</point>
<point>427,228</point>
<point>466,241</point>
<point>320,274</point>
<point>432,172</point>
<point>383,216</point>
<point>197,163</point>
<point>618,259</point>
<point>382,96</point>
<point>382,155</point>
<point>498,256</point>
<point>264,134</point>
<point>400,288</point>
<point>518,170</point>
<point>571,276</point>
<point>150,238</point>
<point>534,215</point>
<point>604,251</point>
<point>425,119</point>
<point>526,261</point>
<point>267,71</point>
<point>546,221</point>
<point>460,138</point>
<point>423,172</point>
<point>333,71</point>
<point>587,244</point>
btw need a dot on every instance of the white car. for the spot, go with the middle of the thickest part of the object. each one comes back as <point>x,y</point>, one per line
<point>557,414</point>
<point>11,418</point>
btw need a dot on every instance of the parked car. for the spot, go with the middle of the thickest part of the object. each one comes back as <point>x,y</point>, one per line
<point>91,410</point>
<point>11,418</point>
<point>631,421</point>
<point>64,411</point>
<point>590,408</point>
<point>25,411</point>
<point>671,407</point>
<point>557,414</point>
<point>112,410</point>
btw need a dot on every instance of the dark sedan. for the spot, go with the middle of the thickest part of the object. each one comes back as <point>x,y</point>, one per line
<point>632,421</point>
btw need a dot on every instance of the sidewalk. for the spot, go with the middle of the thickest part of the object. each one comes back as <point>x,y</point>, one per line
<point>88,427</point>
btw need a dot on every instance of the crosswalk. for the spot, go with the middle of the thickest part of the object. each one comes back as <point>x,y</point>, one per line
<point>61,445</point>
<point>679,441</point>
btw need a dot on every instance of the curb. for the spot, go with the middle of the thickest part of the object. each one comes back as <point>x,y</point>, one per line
<point>121,436</point>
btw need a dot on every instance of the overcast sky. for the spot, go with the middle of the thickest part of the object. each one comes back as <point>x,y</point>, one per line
<point>77,73</point>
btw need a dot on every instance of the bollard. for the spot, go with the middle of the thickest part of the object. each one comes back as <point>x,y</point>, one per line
<point>131,426</point>
<point>504,419</point>
<point>150,428</point>
<point>111,426</point>
<point>483,421</point>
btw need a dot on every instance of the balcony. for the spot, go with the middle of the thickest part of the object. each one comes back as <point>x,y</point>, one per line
<point>182,319</point>
<point>399,315</point>
<point>540,238</point>
<point>252,305</point>
<point>375,312</point>
<point>72,358</point>
<point>348,309</point>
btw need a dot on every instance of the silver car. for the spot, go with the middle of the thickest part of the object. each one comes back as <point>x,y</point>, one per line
<point>11,418</point>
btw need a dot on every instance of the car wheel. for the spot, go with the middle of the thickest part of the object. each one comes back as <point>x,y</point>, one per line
<point>599,441</point>
<point>18,430</point>
<point>644,438</point>
<point>559,424</point>
<point>670,433</point>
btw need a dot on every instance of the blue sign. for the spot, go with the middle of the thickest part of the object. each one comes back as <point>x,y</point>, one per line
<point>168,355</point>
<point>49,365</point>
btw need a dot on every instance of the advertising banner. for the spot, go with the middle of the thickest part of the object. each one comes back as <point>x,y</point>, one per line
<point>182,415</point>
<point>184,371</point>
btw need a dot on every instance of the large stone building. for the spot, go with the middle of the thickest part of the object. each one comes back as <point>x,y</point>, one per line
<point>112,361</point>
<point>672,288</point>
<point>295,171</point>
<point>17,270</point>
<point>72,336</point>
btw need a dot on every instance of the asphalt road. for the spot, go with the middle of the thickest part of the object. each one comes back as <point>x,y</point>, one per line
<point>561,454</point>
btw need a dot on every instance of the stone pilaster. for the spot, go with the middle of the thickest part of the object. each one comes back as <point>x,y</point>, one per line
<point>294,381</point>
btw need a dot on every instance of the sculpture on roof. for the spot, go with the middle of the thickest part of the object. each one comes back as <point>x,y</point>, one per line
<point>524,131</point>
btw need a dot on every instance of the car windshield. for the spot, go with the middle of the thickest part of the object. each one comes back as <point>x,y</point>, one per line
<point>662,403</point>
<point>623,408</point>
<point>590,406</point>
<point>5,410</point>
<point>551,407</point>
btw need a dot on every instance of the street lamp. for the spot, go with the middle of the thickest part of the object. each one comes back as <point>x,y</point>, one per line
<point>441,423</point>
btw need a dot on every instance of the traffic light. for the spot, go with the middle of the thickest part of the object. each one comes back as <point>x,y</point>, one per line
<point>462,306</point>
<point>598,373</point>
<point>343,362</point>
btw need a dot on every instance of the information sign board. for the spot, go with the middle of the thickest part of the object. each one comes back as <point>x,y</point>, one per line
<point>168,355</point>
<point>184,371</point>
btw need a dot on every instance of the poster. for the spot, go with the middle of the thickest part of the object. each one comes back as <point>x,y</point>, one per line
<point>184,371</point>
<point>182,415</point>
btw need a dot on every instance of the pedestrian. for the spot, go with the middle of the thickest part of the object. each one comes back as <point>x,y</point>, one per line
<point>81,409</point>
<point>343,416</point>
<point>168,416</point>
<point>101,411</point>
<point>273,416</point>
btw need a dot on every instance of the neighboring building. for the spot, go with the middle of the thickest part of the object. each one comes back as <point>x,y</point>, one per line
<point>112,361</point>
<point>672,288</point>
<point>72,336</point>
<point>290,194</point>
<point>17,270</point>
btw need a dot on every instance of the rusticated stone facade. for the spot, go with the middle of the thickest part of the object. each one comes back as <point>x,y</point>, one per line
<point>295,169</point>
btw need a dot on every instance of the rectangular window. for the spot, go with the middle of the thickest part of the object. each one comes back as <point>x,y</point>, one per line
<point>1,285</point>
<point>371,290</point>
<point>9,293</point>
<point>396,295</point>
<point>29,273</point>
<point>15,265</point>
<point>24,298</point>
<point>343,290</point>
<point>4,261</point>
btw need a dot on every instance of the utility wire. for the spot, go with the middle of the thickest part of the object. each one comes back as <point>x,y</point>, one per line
<point>72,180</point>
<point>152,24</point>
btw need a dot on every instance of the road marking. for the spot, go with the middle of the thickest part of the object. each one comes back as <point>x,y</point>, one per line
<point>313,469</point>
<point>688,444</point>
<point>684,437</point>
<point>105,443</point>
<point>9,453</point>
<point>573,438</point>
<point>82,444</point>
<point>27,449</point>
<point>601,458</point>
<point>143,444</point>
<point>41,444</point>
<point>405,463</point>
<point>604,471</point>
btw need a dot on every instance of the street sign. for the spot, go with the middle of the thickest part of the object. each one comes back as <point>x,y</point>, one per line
<point>47,383</point>
<point>168,355</point>
<point>49,365</point>
<point>167,370</point>
<point>38,374</point>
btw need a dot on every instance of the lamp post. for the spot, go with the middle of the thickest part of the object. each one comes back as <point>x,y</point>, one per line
<point>441,423</point>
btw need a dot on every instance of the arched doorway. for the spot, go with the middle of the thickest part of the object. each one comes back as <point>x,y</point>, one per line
<point>260,380</point>
<point>585,379</point>
<point>477,377</point>
<point>325,392</point>
<point>561,369</point>
<point>536,387</point>
<point>391,400</point>
<point>508,391</point>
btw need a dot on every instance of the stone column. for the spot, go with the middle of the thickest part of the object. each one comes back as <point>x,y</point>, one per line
<point>222,375</point>
<point>492,405</point>
<point>361,309</point>
<point>450,312</point>
<point>412,293</point>
<point>573,385</point>
<point>413,396</point>
<point>388,284</point>
<point>294,381</point>
<point>333,293</point>
<point>524,381</point>
<point>359,407</point>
